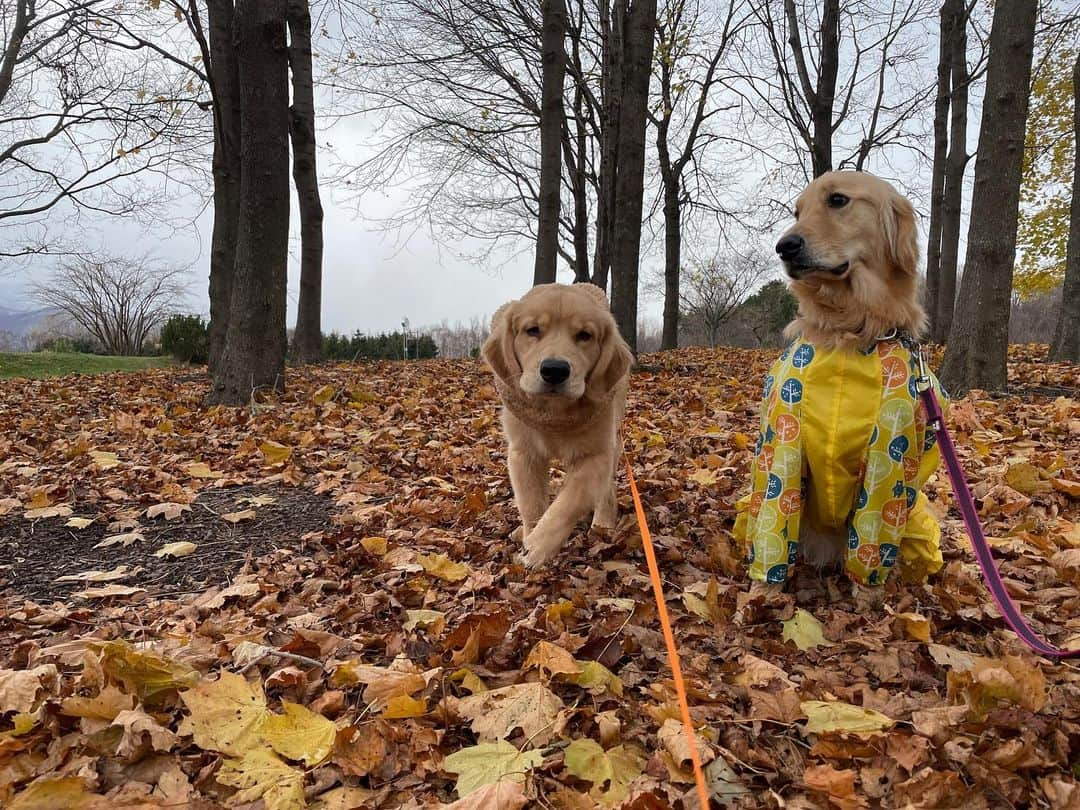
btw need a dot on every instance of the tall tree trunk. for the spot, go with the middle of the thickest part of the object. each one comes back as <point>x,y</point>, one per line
<point>826,87</point>
<point>551,135</point>
<point>955,164</point>
<point>1066,345</point>
<point>978,344</point>
<point>640,25</point>
<point>612,80</point>
<point>672,259</point>
<point>255,345</point>
<point>937,173</point>
<point>225,87</point>
<point>307,340</point>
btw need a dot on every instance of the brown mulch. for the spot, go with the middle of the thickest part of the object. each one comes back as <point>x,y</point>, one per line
<point>34,554</point>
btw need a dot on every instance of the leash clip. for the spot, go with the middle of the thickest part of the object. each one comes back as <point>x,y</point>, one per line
<point>924,384</point>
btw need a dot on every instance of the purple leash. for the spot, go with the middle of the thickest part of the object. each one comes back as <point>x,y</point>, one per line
<point>1005,605</point>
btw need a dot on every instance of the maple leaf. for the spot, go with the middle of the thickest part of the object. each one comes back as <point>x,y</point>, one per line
<point>237,517</point>
<point>441,566</point>
<point>274,453</point>
<point>200,469</point>
<point>168,510</point>
<point>552,658</point>
<point>433,620</point>
<point>124,540</point>
<point>838,785</point>
<point>495,714</point>
<point>135,724</point>
<point>299,734</point>
<point>488,763</point>
<point>502,795</point>
<point>804,630</point>
<point>615,768</point>
<point>144,672</point>
<point>227,714</point>
<point>105,706</point>
<point>830,717</point>
<point>68,792</point>
<point>19,689</point>
<point>260,774</point>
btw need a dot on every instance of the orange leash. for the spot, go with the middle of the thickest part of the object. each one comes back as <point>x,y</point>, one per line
<point>669,639</point>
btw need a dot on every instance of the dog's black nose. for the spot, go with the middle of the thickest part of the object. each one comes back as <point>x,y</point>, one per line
<point>554,371</point>
<point>790,246</point>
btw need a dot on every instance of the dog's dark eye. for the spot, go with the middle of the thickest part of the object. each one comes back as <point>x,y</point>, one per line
<point>584,336</point>
<point>838,200</point>
<point>533,331</point>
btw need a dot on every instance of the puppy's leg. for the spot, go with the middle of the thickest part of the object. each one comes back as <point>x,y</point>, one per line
<point>822,549</point>
<point>530,478</point>
<point>606,511</point>
<point>575,499</point>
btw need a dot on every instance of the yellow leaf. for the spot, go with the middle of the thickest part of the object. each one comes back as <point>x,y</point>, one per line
<point>992,681</point>
<point>374,545</point>
<point>261,775</point>
<point>441,566</point>
<point>914,626</point>
<point>227,714</point>
<point>78,522</point>
<point>200,469</point>
<point>595,676</point>
<point>805,630</point>
<point>401,706</point>
<point>553,658</point>
<point>470,680</point>
<point>617,767</point>
<point>50,794</point>
<point>274,453</point>
<point>825,717</point>
<point>40,500</point>
<point>138,726</point>
<point>707,608</point>
<point>103,459</point>
<point>181,548</point>
<point>300,734</point>
<point>237,517</point>
<point>704,477</point>
<point>1025,478</point>
<point>381,682</point>
<point>323,395</point>
<point>488,763</point>
<point>144,672</point>
<point>105,706</point>
<point>345,798</point>
<point>426,619</point>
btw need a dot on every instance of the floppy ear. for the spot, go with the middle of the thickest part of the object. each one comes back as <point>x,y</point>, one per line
<point>614,362</point>
<point>498,349</point>
<point>901,234</point>
<point>594,292</point>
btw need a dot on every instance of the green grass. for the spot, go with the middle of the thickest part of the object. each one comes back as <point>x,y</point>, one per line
<point>55,364</point>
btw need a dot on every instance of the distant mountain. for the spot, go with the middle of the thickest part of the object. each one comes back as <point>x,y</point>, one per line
<point>22,322</point>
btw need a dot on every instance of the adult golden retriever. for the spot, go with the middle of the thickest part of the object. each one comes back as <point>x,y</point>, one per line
<point>562,370</point>
<point>844,448</point>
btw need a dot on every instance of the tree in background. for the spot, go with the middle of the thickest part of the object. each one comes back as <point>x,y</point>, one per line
<point>978,342</point>
<point>714,289</point>
<point>552,126</point>
<point>1066,345</point>
<point>186,338</point>
<point>307,341</point>
<point>120,302</point>
<point>253,357</point>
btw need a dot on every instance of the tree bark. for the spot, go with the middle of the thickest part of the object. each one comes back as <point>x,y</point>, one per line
<point>1066,345</point>
<point>255,344</point>
<point>551,141</point>
<point>937,173</point>
<point>672,260</point>
<point>640,25</point>
<point>612,80</point>
<point>978,344</point>
<point>821,96</point>
<point>955,165</point>
<point>225,92</point>
<point>307,340</point>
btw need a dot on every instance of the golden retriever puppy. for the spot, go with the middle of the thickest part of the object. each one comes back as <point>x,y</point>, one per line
<point>561,369</point>
<point>844,448</point>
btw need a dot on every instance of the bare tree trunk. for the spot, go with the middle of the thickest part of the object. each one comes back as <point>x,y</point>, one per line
<point>672,260</point>
<point>955,164</point>
<point>978,344</point>
<point>640,25</point>
<point>551,135</point>
<point>937,173</point>
<point>612,81</point>
<point>307,340</point>
<point>255,345</point>
<point>1066,345</point>
<point>225,87</point>
<point>819,98</point>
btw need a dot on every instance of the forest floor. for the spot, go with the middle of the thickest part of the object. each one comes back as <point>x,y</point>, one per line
<point>315,602</point>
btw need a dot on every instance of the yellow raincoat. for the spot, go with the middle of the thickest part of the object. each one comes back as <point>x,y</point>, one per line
<point>843,446</point>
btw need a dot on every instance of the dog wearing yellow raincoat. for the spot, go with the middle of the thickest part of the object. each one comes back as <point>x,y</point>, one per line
<point>844,448</point>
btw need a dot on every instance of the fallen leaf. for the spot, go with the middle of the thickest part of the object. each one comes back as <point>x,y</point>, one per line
<point>138,727</point>
<point>60,510</point>
<point>227,714</point>
<point>104,459</point>
<point>259,774</point>
<point>169,510</point>
<point>595,677</point>
<point>237,517</point>
<point>123,540</point>
<point>145,673</point>
<point>274,453</point>
<point>120,572</point>
<point>441,566</point>
<point>402,706</point>
<point>495,714</point>
<point>804,630</point>
<point>68,792</point>
<point>488,763</point>
<point>108,591</point>
<point>432,620</point>
<point>299,734</point>
<point>181,548</point>
<point>20,689</point>
<point>914,626</point>
<point>200,469</point>
<point>78,522</point>
<point>830,717</point>
<point>374,545</point>
<point>616,768</point>
<point>553,659</point>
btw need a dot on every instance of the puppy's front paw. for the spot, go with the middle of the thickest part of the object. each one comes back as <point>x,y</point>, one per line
<point>539,548</point>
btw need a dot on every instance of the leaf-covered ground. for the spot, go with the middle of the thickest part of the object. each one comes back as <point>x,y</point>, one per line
<point>314,601</point>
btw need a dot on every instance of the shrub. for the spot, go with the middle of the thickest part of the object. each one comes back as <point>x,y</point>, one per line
<point>186,338</point>
<point>69,345</point>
